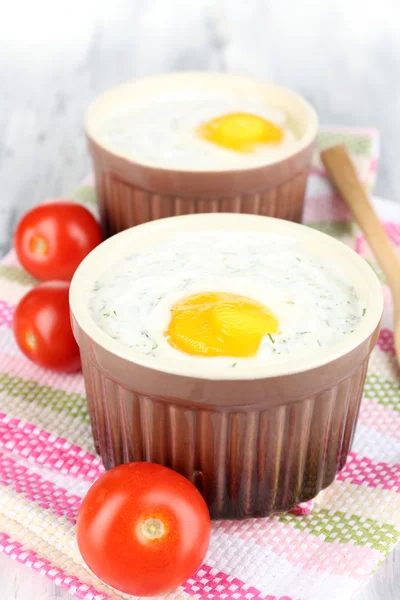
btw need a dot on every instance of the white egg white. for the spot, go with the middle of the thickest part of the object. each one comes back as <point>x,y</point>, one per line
<point>163,130</point>
<point>312,300</point>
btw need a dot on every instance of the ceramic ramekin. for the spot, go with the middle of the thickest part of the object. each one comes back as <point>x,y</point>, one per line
<point>130,193</point>
<point>254,444</point>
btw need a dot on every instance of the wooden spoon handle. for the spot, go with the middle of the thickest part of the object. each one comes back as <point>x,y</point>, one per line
<point>341,169</point>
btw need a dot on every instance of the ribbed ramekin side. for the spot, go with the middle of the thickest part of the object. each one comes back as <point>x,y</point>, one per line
<point>123,205</point>
<point>250,462</point>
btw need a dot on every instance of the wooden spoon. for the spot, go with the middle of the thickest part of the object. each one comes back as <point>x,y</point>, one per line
<point>341,169</point>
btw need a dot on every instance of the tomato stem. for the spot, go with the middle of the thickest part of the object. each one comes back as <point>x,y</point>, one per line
<point>153,529</point>
<point>39,245</point>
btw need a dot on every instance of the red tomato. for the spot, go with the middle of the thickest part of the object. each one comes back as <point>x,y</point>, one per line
<point>42,327</point>
<point>53,238</point>
<point>143,529</point>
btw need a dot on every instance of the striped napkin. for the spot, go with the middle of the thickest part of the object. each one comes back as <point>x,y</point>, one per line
<point>48,461</point>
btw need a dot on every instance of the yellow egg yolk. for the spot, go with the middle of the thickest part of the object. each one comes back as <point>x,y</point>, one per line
<point>219,324</point>
<point>240,131</point>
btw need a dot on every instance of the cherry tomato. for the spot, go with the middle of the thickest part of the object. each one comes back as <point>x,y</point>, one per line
<point>42,327</point>
<point>53,238</point>
<point>143,529</point>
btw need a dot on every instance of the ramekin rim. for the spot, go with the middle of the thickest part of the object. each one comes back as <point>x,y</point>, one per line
<point>365,329</point>
<point>300,145</point>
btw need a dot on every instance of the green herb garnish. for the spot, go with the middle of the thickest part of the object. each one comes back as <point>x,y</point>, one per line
<point>114,312</point>
<point>289,302</point>
<point>271,338</point>
<point>234,364</point>
<point>364,311</point>
<point>106,314</point>
<point>297,258</point>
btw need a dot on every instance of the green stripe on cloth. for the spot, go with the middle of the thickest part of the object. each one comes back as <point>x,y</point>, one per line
<point>70,403</point>
<point>16,274</point>
<point>357,144</point>
<point>85,194</point>
<point>337,526</point>
<point>384,391</point>
<point>338,229</point>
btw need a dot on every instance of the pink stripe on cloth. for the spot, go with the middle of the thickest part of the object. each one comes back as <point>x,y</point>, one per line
<point>302,548</point>
<point>209,583</point>
<point>39,490</point>
<point>303,508</point>
<point>320,171</point>
<point>360,470</point>
<point>393,231</point>
<point>6,313</point>
<point>30,442</point>
<point>386,341</point>
<point>19,366</point>
<point>325,207</point>
<point>380,418</point>
<point>30,558</point>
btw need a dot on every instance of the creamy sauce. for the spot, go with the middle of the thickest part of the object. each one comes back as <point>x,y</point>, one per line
<point>162,130</point>
<point>313,301</point>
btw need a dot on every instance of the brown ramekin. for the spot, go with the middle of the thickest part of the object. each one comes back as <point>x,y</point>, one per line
<point>130,192</point>
<point>253,443</point>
